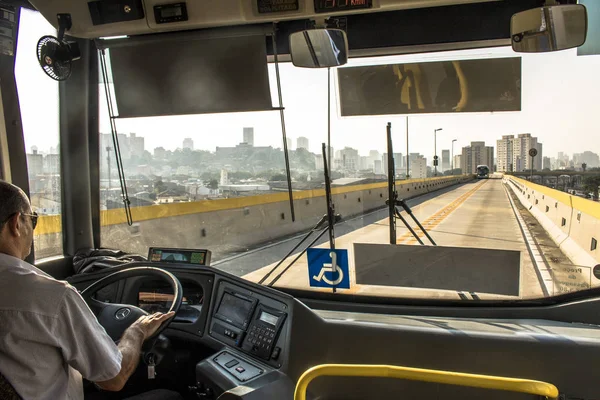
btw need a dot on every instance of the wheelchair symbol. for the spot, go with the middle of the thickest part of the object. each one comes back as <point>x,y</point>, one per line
<point>333,267</point>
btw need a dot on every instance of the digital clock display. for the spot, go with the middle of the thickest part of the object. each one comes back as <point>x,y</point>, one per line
<point>165,13</point>
<point>171,12</point>
<point>325,6</point>
<point>275,6</point>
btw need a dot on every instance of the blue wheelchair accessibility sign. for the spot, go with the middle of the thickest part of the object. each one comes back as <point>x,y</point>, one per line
<point>328,268</point>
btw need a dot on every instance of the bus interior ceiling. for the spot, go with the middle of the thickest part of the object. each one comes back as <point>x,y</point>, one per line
<point>553,341</point>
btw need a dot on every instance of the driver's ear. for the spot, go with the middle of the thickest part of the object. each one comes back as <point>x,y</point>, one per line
<point>14,225</point>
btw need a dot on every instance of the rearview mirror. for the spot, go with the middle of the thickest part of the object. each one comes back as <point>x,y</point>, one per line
<point>319,48</point>
<point>547,29</point>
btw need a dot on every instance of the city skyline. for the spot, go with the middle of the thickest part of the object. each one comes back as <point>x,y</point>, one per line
<point>575,158</point>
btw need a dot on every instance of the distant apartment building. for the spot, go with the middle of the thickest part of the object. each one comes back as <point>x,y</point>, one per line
<point>476,154</point>
<point>137,145</point>
<point>587,157</point>
<point>302,143</point>
<point>377,167</point>
<point>35,162</point>
<point>398,162</point>
<point>418,166</point>
<point>546,163</point>
<point>348,159</point>
<point>107,145</point>
<point>513,153</point>
<point>249,136</point>
<point>457,161</point>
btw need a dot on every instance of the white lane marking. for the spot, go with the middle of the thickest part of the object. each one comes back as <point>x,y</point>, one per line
<point>543,269</point>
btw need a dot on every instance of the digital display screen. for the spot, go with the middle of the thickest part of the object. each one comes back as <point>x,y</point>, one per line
<point>269,318</point>
<point>234,309</point>
<point>341,5</point>
<point>168,12</point>
<point>195,257</point>
<point>274,6</point>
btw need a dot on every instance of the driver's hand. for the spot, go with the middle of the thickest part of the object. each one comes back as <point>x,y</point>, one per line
<point>148,324</point>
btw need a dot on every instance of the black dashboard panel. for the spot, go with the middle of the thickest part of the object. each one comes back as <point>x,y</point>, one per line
<point>249,320</point>
<point>534,342</point>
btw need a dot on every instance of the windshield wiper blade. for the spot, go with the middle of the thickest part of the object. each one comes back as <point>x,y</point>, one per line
<point>393,202</point>
<point>330,218</point>
<point>330,209</point>
<point>286,155</point>
<point>314,229</point>
<point>115,138</point>
<point>338,218</point>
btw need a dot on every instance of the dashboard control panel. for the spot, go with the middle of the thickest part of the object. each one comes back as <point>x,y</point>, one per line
<point>248,320</point>
<point>240,369</point>
<point>263,331</point>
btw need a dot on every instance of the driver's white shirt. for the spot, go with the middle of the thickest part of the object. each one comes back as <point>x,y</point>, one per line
<point>49,337</point>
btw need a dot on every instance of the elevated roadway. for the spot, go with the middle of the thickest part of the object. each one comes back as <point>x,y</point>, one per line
<point>478,214</point>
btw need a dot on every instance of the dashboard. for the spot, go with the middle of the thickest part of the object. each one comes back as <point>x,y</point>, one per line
<point>249,320</point>
<point>244,319</point>
<point>256,341</point>
<point>248,327</point>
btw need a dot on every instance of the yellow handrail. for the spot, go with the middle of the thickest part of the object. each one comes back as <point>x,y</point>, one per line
<point>425,375</point>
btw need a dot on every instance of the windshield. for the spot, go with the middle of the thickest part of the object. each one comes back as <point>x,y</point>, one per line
<point>477,216</point>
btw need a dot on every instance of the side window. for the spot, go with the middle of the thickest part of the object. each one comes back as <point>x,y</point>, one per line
<point>38,99</point>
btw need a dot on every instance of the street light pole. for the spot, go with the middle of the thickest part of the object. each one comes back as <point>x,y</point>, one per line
<point>435,159</point>
<point>453,140</point>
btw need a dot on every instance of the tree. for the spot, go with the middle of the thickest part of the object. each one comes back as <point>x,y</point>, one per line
<point>591,184</point>
<point>213,184</point>
<point>159,186</point>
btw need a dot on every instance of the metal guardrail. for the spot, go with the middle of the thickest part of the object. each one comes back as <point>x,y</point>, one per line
<point>426,375</point>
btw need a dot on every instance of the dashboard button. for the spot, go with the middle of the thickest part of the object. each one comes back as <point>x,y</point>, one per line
<point>276,352</point>
<point>232,363</point>
<point>240,370</point>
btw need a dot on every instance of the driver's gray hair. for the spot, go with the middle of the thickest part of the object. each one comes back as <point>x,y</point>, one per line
<point>12,200</point>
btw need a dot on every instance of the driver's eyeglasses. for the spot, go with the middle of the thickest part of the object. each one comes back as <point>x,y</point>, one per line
<point>34,218</point>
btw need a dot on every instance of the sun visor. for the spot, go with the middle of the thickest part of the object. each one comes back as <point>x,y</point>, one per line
<point>481,85</point>
<point>190,74</point>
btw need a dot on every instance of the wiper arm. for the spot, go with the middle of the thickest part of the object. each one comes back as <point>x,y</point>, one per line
<point>392,202</point>
<point>330,209</point>
<point>315,240</point>
<point>330,218</point>
<point>314,229</point>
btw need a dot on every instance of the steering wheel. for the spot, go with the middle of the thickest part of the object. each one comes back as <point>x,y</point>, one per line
<point>116,318</point>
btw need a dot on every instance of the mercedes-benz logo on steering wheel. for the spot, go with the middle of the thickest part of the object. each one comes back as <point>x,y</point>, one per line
<point>122,313</point>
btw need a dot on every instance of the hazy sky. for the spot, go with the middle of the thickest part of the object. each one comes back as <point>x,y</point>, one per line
<point>559,106</point>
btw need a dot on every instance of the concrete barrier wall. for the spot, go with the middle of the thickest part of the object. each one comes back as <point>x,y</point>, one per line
<point>572,222</point>
<point>235,225</point>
